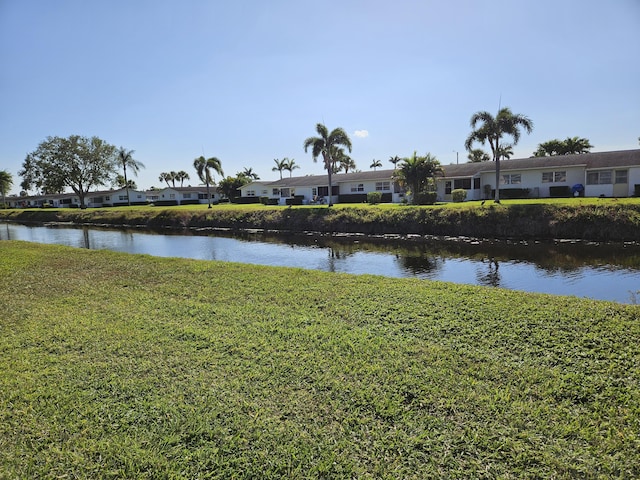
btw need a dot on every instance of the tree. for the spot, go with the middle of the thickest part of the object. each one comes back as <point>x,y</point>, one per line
<point>250,174</point>
<point>229,186</point>
<point>182,176</point>
<point>491,129</point>
<point>347,163</point>
<point>6,181</point>
<point>569,146</point>
<point>120,182</point>
<point>77,162</point>
<point>477,155</point>
<point>322,145</point>
<point>395,160</point>
<point>204,167</point>
<point>417,173</point>
<point>290,165</point>
<point>505,152</point>
<point>125,159</point>
<point>166,177</point>
<point>375,164</point>
<point>280,166</point>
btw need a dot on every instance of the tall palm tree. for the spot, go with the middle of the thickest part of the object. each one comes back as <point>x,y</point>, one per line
<point>487,128</point>
<point>204,166</point>
<point>290,165</point>
<point>280,166</point>
<point>182,176</point>
<point>250,174</point>
<point>322,145</point>
<point>126,160</point>
<point>375,164</point>
<point>165,177</point>
<point>6,181</point>
<point>395,160</point>
<point>347,163</point>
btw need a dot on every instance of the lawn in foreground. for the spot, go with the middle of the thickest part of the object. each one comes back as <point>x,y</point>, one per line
<point>115,365</point>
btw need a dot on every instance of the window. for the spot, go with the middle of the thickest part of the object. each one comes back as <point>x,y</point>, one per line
<point>122,198</point>
<point>172,196</point>
<point>275,191</point>
<point>554,177</point>
<point>447,187</point>
<point>511,179</point>
<point>284,192</point>
<point>323,191</point>
<point>462,183</point>
<point>186,195</point>
<point>357,187</point>
<point>264,192</point>
<point>383,186</point>
<point>107,198</point>
<point>476,184</point>
<point>314,191</point>
<point>251,193</point>
<point>602,177</point>
<point>621,176</point>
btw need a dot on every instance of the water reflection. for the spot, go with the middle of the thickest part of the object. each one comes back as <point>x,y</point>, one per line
<point>605,271</point>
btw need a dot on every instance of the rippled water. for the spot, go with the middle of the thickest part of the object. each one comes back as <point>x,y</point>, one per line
<point>601,271</point>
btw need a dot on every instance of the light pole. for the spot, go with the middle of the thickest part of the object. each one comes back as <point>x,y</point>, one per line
<point>456,156</point>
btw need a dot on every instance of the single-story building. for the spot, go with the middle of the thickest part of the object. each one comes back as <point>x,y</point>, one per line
<point>609,174</point>
<point>183,195</point>
<point>346,187</point>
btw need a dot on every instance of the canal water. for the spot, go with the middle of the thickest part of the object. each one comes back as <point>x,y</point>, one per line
<point>599,271</point>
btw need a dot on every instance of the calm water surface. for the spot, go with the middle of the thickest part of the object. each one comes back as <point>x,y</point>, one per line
<point>601,271</point>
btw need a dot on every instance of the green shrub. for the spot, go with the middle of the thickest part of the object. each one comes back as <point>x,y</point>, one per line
<point>425,198</point>
<point>264,200</point>
<point>636,190</point>
<point>374,198</point>
<point>459,195</point>
<point>297,200</point>
<point>352,198</point>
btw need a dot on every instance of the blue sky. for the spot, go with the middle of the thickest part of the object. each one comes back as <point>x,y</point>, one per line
<point>247,81</point>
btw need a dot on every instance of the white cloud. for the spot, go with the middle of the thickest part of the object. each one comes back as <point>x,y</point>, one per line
<point>361,133</point>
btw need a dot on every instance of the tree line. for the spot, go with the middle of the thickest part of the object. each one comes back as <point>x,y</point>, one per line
<point>81,163</point>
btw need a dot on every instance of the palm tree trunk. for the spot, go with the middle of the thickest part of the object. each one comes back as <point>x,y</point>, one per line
<point>208,195</point>
<point>497,195</point>
<point>126,185</point>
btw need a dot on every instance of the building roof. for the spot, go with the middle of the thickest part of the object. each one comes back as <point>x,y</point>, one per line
<point>320,180</point>
<point>622,158</point>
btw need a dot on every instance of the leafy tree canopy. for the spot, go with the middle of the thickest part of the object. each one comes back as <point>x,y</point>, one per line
<point>569,146</point>
<point>417,173</point>
<point>229,186</point>
<point>76,162</point>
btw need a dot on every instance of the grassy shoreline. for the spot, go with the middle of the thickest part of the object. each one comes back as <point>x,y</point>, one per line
<point>115,365</point>
<point>584,219</point>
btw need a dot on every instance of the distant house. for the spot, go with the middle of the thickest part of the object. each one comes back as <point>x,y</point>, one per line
<point>184,195</point>
<point>114,198</point>
<point>346,187</point>
<point>609,174</point>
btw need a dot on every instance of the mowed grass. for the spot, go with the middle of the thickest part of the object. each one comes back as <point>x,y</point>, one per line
<point>128,366</point>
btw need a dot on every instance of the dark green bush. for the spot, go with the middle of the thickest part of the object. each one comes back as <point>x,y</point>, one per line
<point>245,200</point>
<point>297,200</point>
<point>636,190</point>
<point>425,198</point>
<point>374,198</point>
<point>459,195</point>
<point>512,193</point>
<point>352,198</point>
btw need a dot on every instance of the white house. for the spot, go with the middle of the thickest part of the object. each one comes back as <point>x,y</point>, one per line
<point>346,187</point>
<point>184,195</point>
<point>609,174</point>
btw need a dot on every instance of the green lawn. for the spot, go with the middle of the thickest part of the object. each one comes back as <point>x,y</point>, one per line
<point>127,366</point>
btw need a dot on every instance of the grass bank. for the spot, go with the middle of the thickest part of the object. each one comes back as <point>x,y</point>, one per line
<point>586,219</point>
<point>128,366</point>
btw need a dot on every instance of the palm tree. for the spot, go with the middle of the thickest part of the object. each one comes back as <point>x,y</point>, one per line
<point>395,160</point>
<point>506,151</point>
<point>492,129</point>
<point>416,173</point>
<point>165,177</point>
<point>6,181</point>
<point>182,176</point>
<point>478,155</point>
<point>576,145</point>
<point>204,167</point>
<point>250,174</point>
<point>125,158</point>
<point>280,166</point>
<point>322,145</point>
<point>375,164</point>
<point>347,163</point>
<point>290,165</point>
